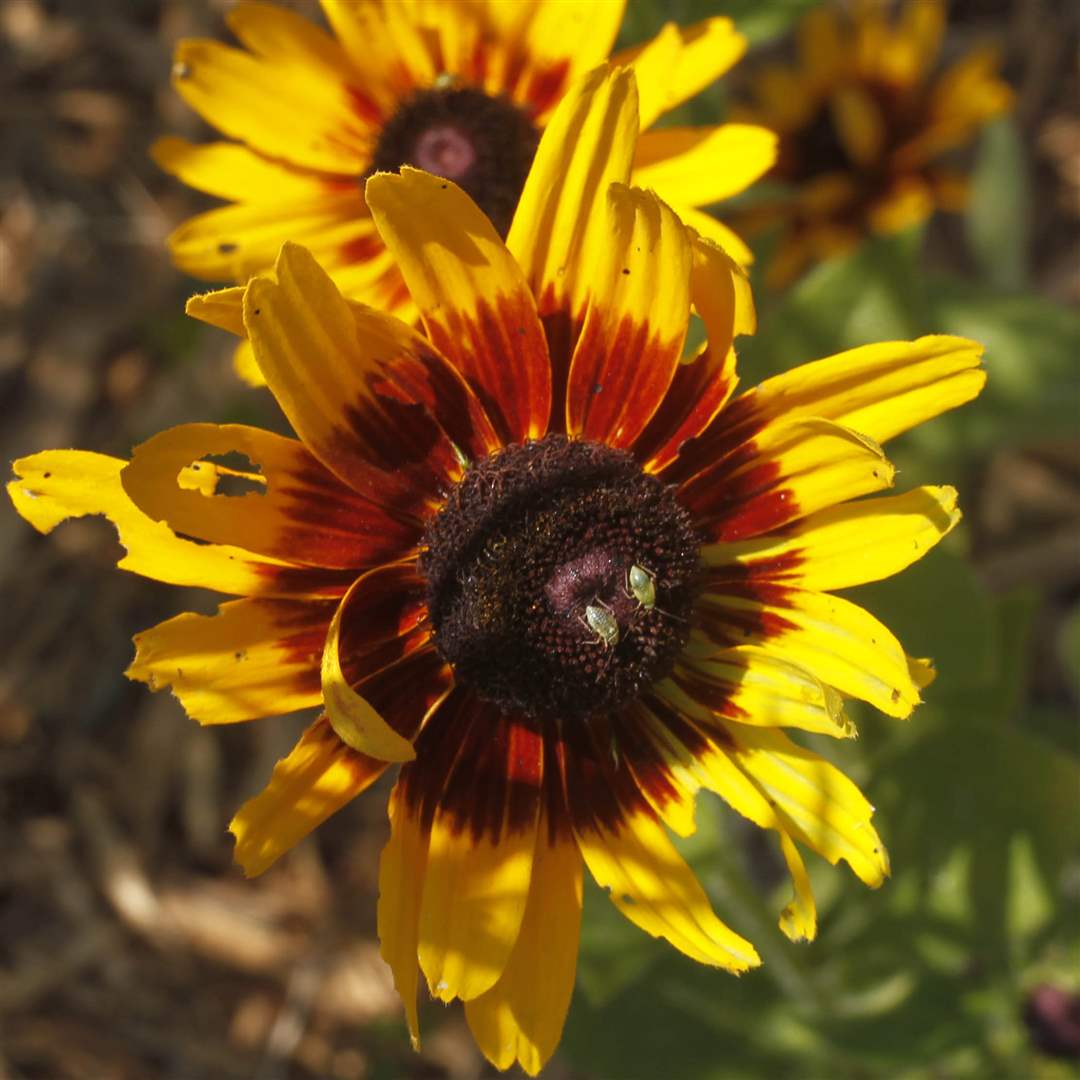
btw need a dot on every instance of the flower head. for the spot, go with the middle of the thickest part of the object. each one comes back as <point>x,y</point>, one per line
<point>541,558</point>
<point>459,88</point>
<point>862,127</point>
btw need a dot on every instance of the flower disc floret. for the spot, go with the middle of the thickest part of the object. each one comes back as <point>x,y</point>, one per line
<point>530,568</point>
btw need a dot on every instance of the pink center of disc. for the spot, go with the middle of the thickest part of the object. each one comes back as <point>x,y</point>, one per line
<point>443,150</point>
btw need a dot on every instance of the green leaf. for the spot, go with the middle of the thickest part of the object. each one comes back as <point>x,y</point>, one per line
<point>999,213</point>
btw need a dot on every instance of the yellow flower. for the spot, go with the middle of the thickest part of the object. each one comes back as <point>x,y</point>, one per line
<point>862,125</point>
<point>557,570</point>
<point>461,88</point>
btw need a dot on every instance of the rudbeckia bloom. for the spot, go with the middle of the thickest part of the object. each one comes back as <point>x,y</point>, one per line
<point>542,559</point>
<point>862,126</point>
<point>460,89</point>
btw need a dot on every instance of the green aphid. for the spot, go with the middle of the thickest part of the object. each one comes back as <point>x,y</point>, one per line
<point>600,619</point>
<point>641,585</point>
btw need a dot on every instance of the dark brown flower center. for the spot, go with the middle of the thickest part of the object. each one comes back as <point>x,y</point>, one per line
<point>484,144</point>
<point>560,578</point>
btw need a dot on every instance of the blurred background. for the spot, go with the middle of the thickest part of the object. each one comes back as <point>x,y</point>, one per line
<point>131,947</point>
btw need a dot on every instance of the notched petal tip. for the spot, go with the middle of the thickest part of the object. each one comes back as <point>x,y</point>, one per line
<point>222,308</point>
<point>922,671</point>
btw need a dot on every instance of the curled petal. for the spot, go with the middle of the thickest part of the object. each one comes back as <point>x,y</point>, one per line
<point>357,724</point>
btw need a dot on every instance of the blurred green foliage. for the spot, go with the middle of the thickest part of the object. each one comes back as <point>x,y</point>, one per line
<point>977,798</point>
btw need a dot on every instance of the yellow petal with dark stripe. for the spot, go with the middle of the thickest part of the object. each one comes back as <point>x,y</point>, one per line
<point>844,645</point>
<point>277,501</point>
<point>324,367</point>
<point>754,686</point>
<point>610,399</point>
<point>356,723</point>
<point>478,875</point>
<point>316,780</point>
<point>473,299</point>
<point>59,484</point>
<point>561,228</point>
<point>253,658</point>
<point>790,469</point>
<point>845,545</point>
<point>702,384</point>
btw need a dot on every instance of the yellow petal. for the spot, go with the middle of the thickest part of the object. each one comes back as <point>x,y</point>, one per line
<point>401,883</point>
<point>790,469</point>
<point>254,658</point>
<point>843,645</point>
<point>905,203</point>
<point>223,308</point>
<point>59,484</point>
<point>822,46</point>
<point>754,686</point>
<point>561,227</point>
<point>520,1019</point>
<point>859,124</point>
<point>709,766</point>
<point>233,242</point>
<point>659,776</point>
<point>474,301</point>
<point>324,362</point>
<point>246,365</point>
<point>387,47</point>
<point>717,232</point>
<point>879,390</point>
<point>681,61</point>
<point>702,384</point>
<point>630,317</point>
<point>818,804</point>
<point>703,165</point>
<point>650,883</point>
<point>480,861</point>
<point>317,779</point>
<point>798,920</point>
<point>846,545</point>
<point>356,723</point>
<point>281,507</point>
<point>560,40</point>
<point>231,171</point>
<point>295,112</point>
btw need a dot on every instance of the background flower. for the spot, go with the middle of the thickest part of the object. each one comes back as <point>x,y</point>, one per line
<point>461,89</point>
<point>865,117</point>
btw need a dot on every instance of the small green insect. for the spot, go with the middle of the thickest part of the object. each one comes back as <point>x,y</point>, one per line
<point>641,586</point>
<point>600,619</point>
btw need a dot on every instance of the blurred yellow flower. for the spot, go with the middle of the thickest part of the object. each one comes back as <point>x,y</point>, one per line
<point>862,125</point>
<point>460,88</point>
